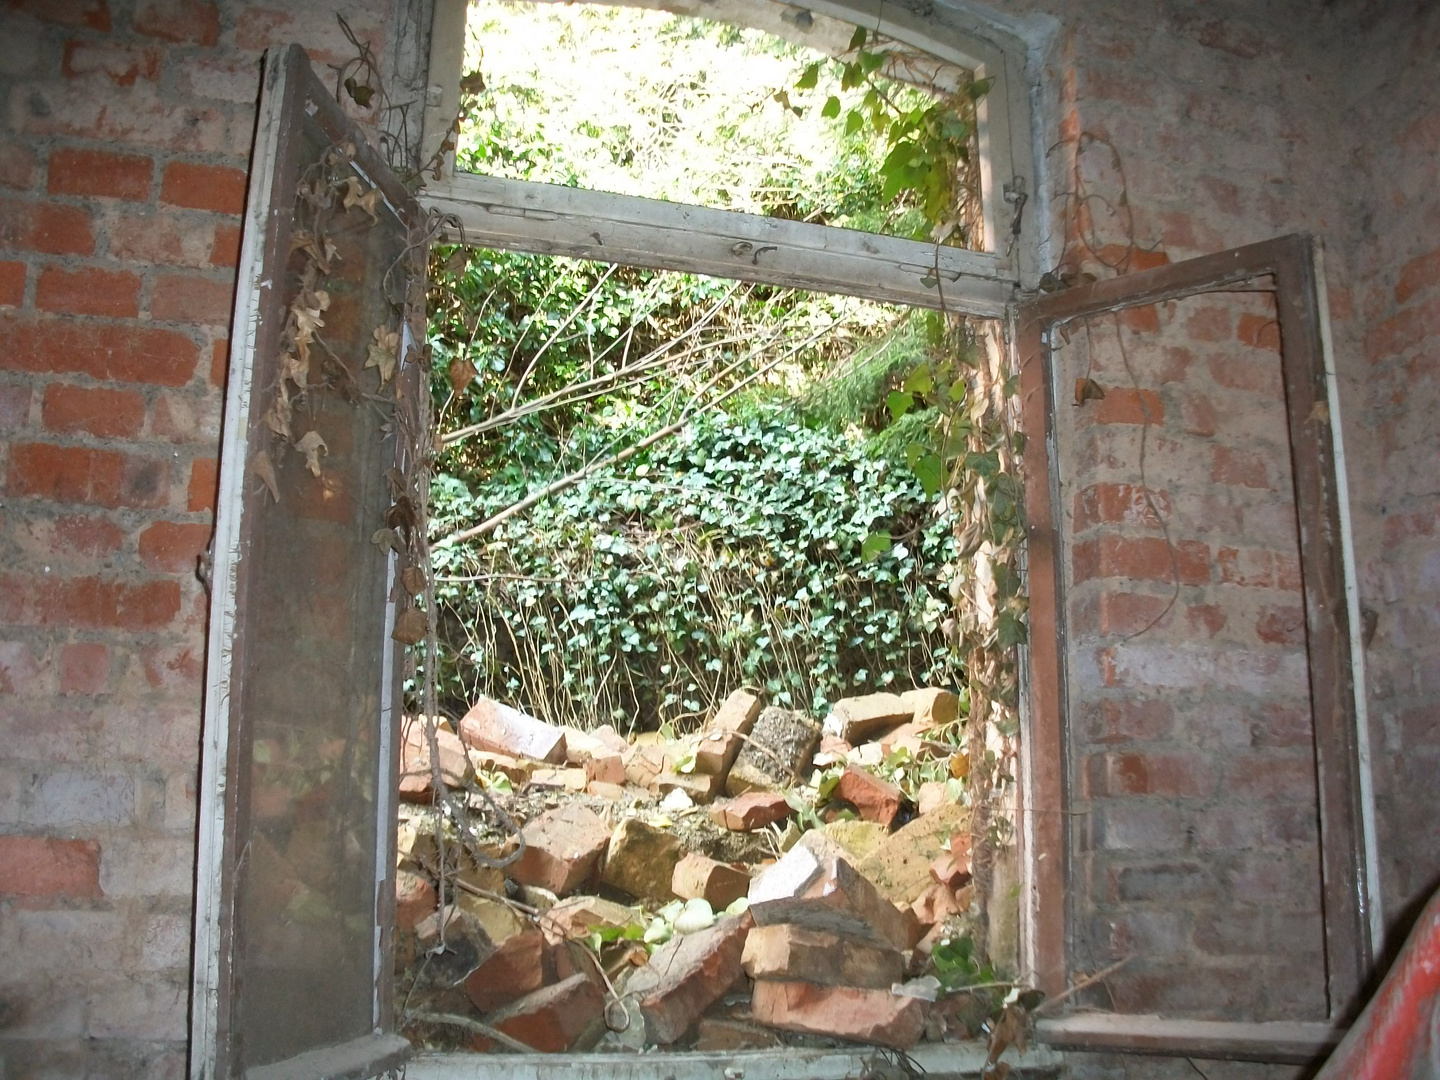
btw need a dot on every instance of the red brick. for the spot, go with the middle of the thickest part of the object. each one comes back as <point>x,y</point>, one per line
<point>1419,273</point>
<point>1209,324</point>
<point>1130,720</point>
<point>1281,625</point>
<point>120,353</point>
<point>1119,504</point>
<point>18,168</point>
<point>1143,320</point>
<point>96,410</point>
<point>567,1016</point>
<point>226,249</point>
<point>173,546</point>
<point>1270,776</point>
<point>1198,415</point>
<point>868,1016</point>
<point>181,298</point>
<point>90,14</point>
<point>874,799</point>
<point>1207,617</point>
<point>219,363</point>
<point>204,187</point>
<point>78,534</point>
<point>1147,559</point>
<point>1123,614</point>
<point>785,951</point>
<point>88,603</point>
<point>514,970</point>
<point>753,810</point>
<point>1259,331</point>
<point>96,172</point>
<point>88,291</point>
<point>42,867</point>
<point>491,725</point>
<point>687,975</point>
<point>84,668</point>
<point>14,408</point>
<point>698,877</point>
<point>1239,468</point>
<point>46,227</point>
<point>1168,775</point>
<point>12,284</point>
<point>122,64</point>
<point>1259,374</point>
<point>80,474</point>
<point>1121,406</point>
<point>1250,567</point>
<point>563,849</point>
<point>200,493</point>
<point>193,21</point>
<point>164,237</point>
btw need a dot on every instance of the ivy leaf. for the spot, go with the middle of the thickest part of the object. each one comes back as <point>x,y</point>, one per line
<point>809,77</point>
<point>831,108</point>
<point>411,627</point>
<point>854,121</point>
<point>1088,390</point>
<point>359,91</point>
<point>930,471</point>
<point>874,545</point>
<point>979,88</point>
<point>919,381</point>
<point>1009,630</point>
<point>264,468</point>
<point>857,40</point>
<point>898,402</point>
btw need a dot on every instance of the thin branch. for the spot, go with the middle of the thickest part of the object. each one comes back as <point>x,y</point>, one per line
<point>478,1027</point>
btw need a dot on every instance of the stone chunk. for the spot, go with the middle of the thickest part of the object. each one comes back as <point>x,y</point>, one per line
<point>698,877</point>
<point>686,976</point>
<point>814,887</point>
<point>722,738</point>
<point>857,719</point>
<point>563,849</point>
<point>512,971</point>
<point>858,838</point>
<point>415,771</point>
<point>933,795</point>
<point>869,1016</point>
<point>776,754</point>
<point>874,799</point>
<point>900,869</point>
<point>791,952</point>
<point>567,1016</point>
<point>641,860</point>
<point>602,790</point>
<point>491,725</point>
<point>722,1034</point>
<point>751,811</point>
<point>501,921</point>
<point>931,706</point>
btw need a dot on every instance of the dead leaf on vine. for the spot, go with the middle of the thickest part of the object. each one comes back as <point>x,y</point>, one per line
<point>356,195</point>
<point>295,367</point>
<point>1008,1031</point>
<point>411,627</point>
<point>1088,390</point>
<point>413,578</point>
<point>361,92</point>
<point>458,261</point>
<point>383,353</point>
<point>264,468</point>
<point>277,417</point>
<point>462,374</point>
<point>388,540</point>
<point>402,516</point>
<point>959,766</point>
<point>312,446</point>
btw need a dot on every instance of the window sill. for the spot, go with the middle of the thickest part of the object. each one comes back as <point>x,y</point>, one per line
<point>1289,1042</point>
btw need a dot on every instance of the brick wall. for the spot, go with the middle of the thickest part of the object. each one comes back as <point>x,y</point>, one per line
<point>124,145</point>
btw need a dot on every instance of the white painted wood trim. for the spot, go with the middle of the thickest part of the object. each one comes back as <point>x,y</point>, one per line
<point>235,453</point>
<point>791,1063</point>
<point>1277,1041</point>
<point>442,85</point>
<point>554,220</point>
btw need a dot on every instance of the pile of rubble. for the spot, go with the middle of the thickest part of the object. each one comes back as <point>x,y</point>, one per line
<point>667,894</point>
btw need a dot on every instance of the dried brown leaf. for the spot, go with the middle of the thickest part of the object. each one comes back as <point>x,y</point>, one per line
<point>1088,390</point>
<point>383,353</point>
<point>264,468</point>
<point>277,417</point>
<point>413,578</point>
<point>356,195</point>
<point>462,374</point>
<point>312,446</point>
<point>388,540</point>
<point>411,626</point>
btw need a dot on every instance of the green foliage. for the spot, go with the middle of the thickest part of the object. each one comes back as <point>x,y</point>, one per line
<point>733,555</point>
<point>958,964</point>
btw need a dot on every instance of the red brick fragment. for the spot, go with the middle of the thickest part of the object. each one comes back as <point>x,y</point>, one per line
<point>192,21</point>
<point>567,1016</point>
<point>93,410</point>
<point>416,773</point>
<point>415,899</point>
<point>698,877</point>
<point>789,952</point>
<point>723,735</point>
<point>868,1016</point>
<point>563,849</point>
<point>515,969</point>
<point>491,725</point>
<point>751,811</point>
<point>688,975</point>
<point>857,719</point>
<point>874,799</point>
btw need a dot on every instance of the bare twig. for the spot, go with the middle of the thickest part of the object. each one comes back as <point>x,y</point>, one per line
<point>476,1026</point>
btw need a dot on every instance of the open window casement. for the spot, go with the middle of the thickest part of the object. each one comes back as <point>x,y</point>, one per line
<point>1192,797</point>
<point>324,412</point>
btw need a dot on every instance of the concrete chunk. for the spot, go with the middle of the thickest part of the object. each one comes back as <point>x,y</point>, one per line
<point>721,739</point>
<point>869,1016</point>
<point>857,719</point>
<point>698,877</point>
<point>491,725</point>
<point>814,887</point>
<point>776,754</point>
<point>563,849</point>
<point>786,951</point>
<point>900,869</point>
<point>641,860</point>
<point>688,975</point>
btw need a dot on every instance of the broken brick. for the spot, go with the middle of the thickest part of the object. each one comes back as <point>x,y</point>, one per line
<point>935,905</point>
<point>724,1034</point>
<point>950,871</point>
<point>512,971</point>
<point>576,916</point>
<point>813,886</point>
<point>491,725</point>
<point>870,1016</point>
<point>900,868</point>
<point>605,768</point>
<point>751,811</point>
<point>581,746</point>
<point>562,849</point>
<point>467,946</point>
<point>874,799</point>
<point>415,771</point>
<point>567,1016</point>
<point>776,754</point>
<point>644,763</point>
<point>701,787</point>
<point>698,877</point>
<point>641,860</point>
<point>722,737</point>
<point>486,761</point>
<point>414,899</point>
<point>792,952</point>
<point>931,707</point>
<point>559,779</point>
<point>686,976</point>
<point>857,719</point>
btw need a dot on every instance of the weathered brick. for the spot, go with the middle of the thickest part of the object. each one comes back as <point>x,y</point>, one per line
<point>698,877</point>
<point>84,668</point>
<point>89,14</point>
<point>89,603</point>
<point>23,672</point>
<point>1240,468</point>
<point>86,535</point>
<point>723,734</point>
<point>44,867</point>
<point>46,227</point>
<point>204,187</point>
<point>1259,375</point>
<point>163,237</point>
<point>1259,331</point>
<point>174,546</point>
<point>753,810</point>
<point>874,799</point>
<point>194,22</point>
<point>563,849</point>
<point>88,291</point>
<point>12,284</point>
<point>1283,625</point>
<point>200,491</point>
<point>1122,614</point>
<point>567,1016</point>
<point>857,719</point>
<point>80,474</point>
<point>492,725</point>
<point>99,172</point>
<point>103,351</point>
<point>1120,504</point>
<point>792,952</point>
<point>18,166</point>
<point>877,1017</point>
<point>1128,406</point>
<point>641,860</point>
<point>188,299</point>
<point>95,410</point>
<point>1420,273</point>
<point>1167,775</point>
<point>1177,881</point>
<point>74,798</point>
<point>1146,559</point>
<point>515,969</point>
<point>687,975</point>
<point>225,251</point>
<point>121,63</point>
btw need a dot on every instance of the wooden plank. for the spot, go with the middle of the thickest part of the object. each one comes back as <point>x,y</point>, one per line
<point>442,92</point>
<point>550,219</point>
<point>1283,1042</point>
